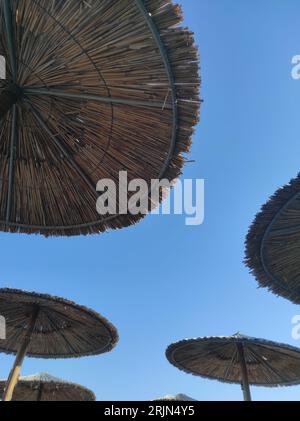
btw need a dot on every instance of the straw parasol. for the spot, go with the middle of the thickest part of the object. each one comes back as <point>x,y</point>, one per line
<point>93,88</point>
<point>273,241</point>
<point>238,359</point>
<point>43,326</point>
<point>43,387</point>
<point>177,398</point>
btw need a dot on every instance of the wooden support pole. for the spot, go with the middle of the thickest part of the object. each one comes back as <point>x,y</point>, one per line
<point>40,393</point>
<point>244,372</point>
<point>15,371</point>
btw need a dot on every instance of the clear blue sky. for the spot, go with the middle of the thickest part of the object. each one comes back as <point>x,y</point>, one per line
<point>161,281</point>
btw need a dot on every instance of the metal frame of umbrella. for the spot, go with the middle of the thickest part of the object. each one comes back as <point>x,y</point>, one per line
<point>44,387</point>
<point>174,97</point>
<point>238,359</point>
<point>44,326</point>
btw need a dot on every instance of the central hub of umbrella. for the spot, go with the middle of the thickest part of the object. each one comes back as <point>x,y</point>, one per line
<point>9,96</point>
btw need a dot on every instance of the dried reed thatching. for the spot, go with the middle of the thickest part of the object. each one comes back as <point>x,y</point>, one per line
<point>43,387</point>
<point>62,329</point>
<point>273,241</point>
<point>268,363</point>
<point>95,87</point>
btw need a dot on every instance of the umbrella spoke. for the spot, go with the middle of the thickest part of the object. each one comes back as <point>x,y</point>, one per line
<point>10,37</point>
<point>265,364</point>
<point>231,363</point>
<point>278,351</point>
<point>62,148</point>
<point>87,338</point>
<point>164,55</point>
<point>97,98</point>
<point>206,354</point>
<point>13,143</point>
<point>59,332</point>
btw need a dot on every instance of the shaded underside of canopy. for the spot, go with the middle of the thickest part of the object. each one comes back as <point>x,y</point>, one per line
<point>268,363</point>
<point>63,329</point>
<point>273,243</point>
<point>106,86</point>
<point>43,387</point>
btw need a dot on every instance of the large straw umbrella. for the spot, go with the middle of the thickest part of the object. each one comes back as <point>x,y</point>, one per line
<point>43,326</point>
<point>238,359</point>
<point>44,387</point>
<point>93,88</point>
<point>273,243</point>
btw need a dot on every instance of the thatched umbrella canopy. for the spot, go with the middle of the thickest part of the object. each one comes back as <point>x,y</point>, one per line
<point>177,398</point>
<point>238,359</point>
<point>94,88</point>
<point>43,387</point>
<point>273,243</point>
<point>43,326</point>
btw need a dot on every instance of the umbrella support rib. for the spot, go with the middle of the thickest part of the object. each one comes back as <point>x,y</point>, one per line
<point>10,39</point>
<point>165,57</point>
<point>244,372</point>
<point>74,164</point>
<point>12,156</point>
<point>97,98</point>
<point>15,371</point>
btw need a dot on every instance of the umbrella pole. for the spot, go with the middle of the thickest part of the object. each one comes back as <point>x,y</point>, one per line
<point>15,371</point>
<point>244,371</point>
<point>39,398</point>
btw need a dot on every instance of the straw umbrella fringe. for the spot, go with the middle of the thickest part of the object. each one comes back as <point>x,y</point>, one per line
<point>43,387</point>
<point>106,86</point>
<point>238,359</point>
<point>273,242</point>
<point>43,326</point>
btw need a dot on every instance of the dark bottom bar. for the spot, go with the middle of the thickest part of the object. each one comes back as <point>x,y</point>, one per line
<point>160,410</point>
